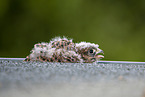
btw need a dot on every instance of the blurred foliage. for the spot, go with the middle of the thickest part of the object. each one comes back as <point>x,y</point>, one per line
<point>118,26</point>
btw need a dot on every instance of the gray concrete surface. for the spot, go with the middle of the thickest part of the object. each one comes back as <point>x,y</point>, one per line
<point>44,79</point>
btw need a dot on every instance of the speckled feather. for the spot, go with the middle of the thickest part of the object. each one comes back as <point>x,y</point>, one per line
<point>64,50</point>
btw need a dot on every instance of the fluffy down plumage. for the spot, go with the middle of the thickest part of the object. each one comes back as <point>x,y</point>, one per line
<point>64,50</point>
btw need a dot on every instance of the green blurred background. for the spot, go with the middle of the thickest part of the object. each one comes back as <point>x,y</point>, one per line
<point>118,26</point>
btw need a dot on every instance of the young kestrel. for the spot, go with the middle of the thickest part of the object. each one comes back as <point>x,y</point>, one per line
<point>64,50</point>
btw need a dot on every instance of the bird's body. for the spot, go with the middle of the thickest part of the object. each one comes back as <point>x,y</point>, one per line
<point>64,50</point>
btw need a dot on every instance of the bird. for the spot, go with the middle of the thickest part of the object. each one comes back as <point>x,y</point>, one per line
<point>64,50</point>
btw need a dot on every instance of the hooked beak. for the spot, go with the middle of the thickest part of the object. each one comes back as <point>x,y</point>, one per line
<point>101,51</point>
<point>99,56</point>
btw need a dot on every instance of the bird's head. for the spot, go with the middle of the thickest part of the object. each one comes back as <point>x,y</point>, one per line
<point>89,51</point>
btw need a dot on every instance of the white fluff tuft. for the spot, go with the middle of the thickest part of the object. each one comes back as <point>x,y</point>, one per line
<point>59,51</point>
<point>41,49</point>
<point>83,45</point>
<point>50,52</point>
<point>70,53</point>
<point>59,39</point>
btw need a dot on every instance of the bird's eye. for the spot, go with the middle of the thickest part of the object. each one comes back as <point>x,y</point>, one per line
<point>91,51</point>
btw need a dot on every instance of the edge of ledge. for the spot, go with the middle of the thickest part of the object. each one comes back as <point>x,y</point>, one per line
<point>109,62</point>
